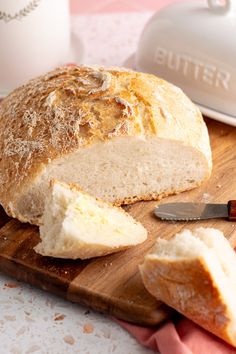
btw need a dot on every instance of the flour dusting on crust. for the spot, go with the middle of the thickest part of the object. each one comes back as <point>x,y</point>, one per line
<point>76,106</point>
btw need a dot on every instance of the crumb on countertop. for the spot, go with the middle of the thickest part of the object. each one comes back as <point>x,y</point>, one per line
<point>59,317</point>
<point>11,285</point>
<point>88,328</point>
<point>69,339</point>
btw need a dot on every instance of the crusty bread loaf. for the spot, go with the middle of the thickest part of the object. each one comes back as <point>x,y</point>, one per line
<point>122,136</point>
<point>76,225</point>
<point>195,273</point>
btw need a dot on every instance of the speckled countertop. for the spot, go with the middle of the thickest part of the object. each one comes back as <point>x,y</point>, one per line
<point>31,320</point>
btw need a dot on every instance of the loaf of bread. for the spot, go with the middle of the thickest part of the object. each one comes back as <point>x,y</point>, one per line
<point>195,273</point>
<point>76,225</point>
<point>122,136</point>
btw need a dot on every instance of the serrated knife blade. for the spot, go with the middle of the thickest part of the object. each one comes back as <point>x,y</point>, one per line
<point>195,211</point>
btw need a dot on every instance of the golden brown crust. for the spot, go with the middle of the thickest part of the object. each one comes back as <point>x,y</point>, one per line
<point>72,107</point>
<point>151,196</point>
<point>189,287</point>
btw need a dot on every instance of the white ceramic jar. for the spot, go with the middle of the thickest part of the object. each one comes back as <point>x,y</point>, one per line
<point>34,38</point>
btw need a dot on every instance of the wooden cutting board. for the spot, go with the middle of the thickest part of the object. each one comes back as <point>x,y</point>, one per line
<point>112,284</point>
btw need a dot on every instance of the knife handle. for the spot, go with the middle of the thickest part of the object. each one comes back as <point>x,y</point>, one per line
<point>232,209</point>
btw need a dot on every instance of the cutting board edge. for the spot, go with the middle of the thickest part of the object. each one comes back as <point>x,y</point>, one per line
<point>116,308</point>
<point>51,283</point>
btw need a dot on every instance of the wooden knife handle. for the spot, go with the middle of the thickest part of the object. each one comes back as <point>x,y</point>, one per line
<point>232,209</point>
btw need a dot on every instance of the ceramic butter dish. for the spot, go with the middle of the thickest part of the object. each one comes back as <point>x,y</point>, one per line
<point>193,45</point>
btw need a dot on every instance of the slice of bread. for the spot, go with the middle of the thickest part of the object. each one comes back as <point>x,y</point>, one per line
<point>76,225</point>
<point>195,273</point>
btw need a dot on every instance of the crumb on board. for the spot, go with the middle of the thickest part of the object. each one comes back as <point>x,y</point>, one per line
<point>88,328</point>
<point>69,339</point>
<point>206,195</point>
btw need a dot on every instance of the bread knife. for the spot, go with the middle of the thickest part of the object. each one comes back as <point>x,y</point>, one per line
<point>195,211</point>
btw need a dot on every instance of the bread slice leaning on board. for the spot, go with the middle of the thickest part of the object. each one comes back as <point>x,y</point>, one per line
<point>121,135</point>
<point>195,273</point>
<point>77,225</point>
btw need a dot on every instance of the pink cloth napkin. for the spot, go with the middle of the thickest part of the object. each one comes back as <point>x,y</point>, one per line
<point>182,337</point>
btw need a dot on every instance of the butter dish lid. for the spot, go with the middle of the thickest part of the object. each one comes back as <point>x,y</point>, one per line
<point>193,45</point>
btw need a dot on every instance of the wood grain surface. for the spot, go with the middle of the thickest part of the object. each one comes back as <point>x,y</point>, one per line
<point>112,284</point>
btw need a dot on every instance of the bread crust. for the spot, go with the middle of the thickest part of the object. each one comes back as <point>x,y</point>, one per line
<point>73,107</point>
<point>188,286</point>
